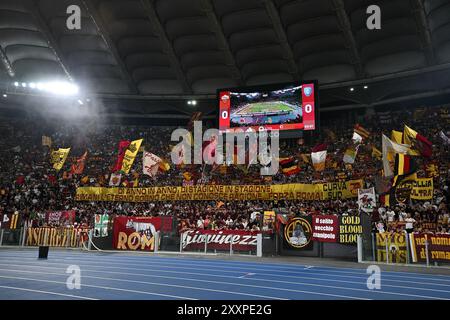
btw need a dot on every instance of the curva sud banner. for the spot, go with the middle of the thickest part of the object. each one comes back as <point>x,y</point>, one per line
<point>219,240</point>
<point>138,233</point>
<point>293,191</point>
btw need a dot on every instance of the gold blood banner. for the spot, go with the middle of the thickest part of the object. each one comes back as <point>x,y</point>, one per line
<point>295,191</point>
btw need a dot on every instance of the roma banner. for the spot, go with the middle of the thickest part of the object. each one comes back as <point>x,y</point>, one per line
<point>325,228</point>
<point>58,158</point>
<point>238,240</point>
<point>294,191</point>
<point>137,233</point>
<point>60,218</point>
<point>130,154</point>
<point>396,247</point>
<point>438,247</point>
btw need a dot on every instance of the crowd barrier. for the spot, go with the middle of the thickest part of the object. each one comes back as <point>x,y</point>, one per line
<point>407,248</point>
<point>46,236</point>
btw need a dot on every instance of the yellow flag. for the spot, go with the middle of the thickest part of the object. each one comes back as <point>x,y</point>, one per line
<point>376,153</point>
<point>58,158</point>
<point>47,141</point>
<point>130,155</point>
<point>397,136</point>
<point>164,166</point>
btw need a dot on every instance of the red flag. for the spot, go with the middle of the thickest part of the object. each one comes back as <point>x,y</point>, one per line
<point>78,167</point>
<point>319,147</point>
<point>20,180</point>
<point>123,146</point>
<point>51,179</point>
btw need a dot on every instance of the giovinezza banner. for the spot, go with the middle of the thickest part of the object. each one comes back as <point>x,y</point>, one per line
<point>138,233</point>
<point>238,240</point>
<point>293,191</point>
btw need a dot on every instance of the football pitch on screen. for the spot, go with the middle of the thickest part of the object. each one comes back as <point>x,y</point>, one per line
<point>267,107</point>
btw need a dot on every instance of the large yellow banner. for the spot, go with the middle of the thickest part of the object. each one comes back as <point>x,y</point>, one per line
<point>294,191</point>
<point>130,154</point>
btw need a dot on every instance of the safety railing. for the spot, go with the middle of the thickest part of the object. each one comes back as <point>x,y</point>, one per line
<point>221,242</point>
<point>405,248</point>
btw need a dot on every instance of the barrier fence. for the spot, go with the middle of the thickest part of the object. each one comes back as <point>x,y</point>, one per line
<point>46,236</point>
<point>299,237</point>
<point>406,248</point>
<point>232,241</point>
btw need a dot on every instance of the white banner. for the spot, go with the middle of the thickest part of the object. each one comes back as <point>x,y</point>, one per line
<point>150,164</point>
<point>367,200</point>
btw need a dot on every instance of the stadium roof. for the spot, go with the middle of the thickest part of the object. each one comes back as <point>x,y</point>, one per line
<point>174,49</point>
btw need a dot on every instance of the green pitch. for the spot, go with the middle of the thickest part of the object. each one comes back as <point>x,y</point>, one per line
<point>266,107</point>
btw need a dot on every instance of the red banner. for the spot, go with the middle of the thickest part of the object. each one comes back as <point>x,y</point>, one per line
<point>123,146</point>
<point>438,247</point>
<point>325,228</point>
<point>220,240</point>
<point>137,233</point>
<point>60,218</point>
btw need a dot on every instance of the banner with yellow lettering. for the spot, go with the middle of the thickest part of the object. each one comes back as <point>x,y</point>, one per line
<point>130,155</point>
<point>422,189</point>
<point>58,158</point>
<point>294,191</point>
<point>394,244</point>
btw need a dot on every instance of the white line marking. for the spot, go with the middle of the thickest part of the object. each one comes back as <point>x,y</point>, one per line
<point>189,279</point>
<point>152,283</point>
<point>307,276</point>
<point>247,274</point>
<point>282,289</point>
<point>218,268</point>
<point>48,292</point>
<point>228,277</point>
<point>139,257</point>
<point>235,266</point>
<point>102,287</point>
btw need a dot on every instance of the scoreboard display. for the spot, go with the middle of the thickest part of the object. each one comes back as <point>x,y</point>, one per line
<point>290,106</point>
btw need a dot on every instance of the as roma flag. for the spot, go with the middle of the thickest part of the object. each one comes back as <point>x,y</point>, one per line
<point>420,146</point>
<point>288,166</point>
<point>78,166</point>
<point>400,191</point>
<point>404,165</point>
<point>123,146</point>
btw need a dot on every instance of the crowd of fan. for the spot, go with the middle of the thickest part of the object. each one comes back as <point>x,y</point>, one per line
<point>29,185</point>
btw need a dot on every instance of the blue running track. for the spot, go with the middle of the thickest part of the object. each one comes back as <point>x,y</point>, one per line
<point>138,276</point>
